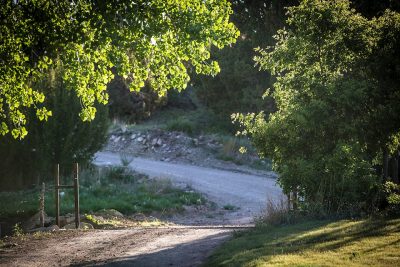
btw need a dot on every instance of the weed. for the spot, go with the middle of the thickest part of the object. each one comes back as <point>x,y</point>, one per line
<point>17,230</point>
<point>119,173</point>
<point>126,159</point>
<point>39,234</point>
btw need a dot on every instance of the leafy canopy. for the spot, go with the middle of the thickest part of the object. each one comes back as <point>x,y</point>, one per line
<point>335,74</point>
<point>145,40</point>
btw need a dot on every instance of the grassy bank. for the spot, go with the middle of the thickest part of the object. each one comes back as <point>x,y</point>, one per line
<point>315,243</point>
<point>114,188</point>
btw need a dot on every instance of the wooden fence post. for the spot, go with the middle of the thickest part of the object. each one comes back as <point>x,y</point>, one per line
<point>76,191</point>
<point>57,194</point>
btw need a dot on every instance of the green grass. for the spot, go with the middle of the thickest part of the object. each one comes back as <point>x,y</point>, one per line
<point>369,242</point>
<point>230,151</point>
<point>115,189</point>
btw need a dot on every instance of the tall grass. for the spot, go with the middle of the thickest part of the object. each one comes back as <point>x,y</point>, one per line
<point>110,188</point>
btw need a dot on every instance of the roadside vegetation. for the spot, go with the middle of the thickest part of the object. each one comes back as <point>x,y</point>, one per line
<point>362,242</point>
<point>109,188</point>
<point>328,124</point>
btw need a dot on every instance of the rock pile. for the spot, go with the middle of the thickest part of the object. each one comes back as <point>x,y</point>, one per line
<point>165,146</point>
<point>202,150</point>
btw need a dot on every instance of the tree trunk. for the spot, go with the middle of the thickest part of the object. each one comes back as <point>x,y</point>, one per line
<point>395,168</point>
<point>385,165</point>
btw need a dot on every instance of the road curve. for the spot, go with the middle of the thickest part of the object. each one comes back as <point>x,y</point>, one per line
<point>248,192</point>
<point>185,244</point>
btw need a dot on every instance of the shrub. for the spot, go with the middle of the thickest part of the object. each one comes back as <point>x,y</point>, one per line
<point>181,125</point>
<point>63,139</point>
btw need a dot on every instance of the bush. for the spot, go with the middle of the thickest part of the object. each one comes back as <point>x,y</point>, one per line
<point>63,139</point>
<point>181,125</point>
<point>337,106</point>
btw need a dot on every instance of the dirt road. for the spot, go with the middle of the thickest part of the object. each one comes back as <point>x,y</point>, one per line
<point>247,192</point>
<point>187,244</point>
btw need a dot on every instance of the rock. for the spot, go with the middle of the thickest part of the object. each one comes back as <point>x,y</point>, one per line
<point>144,141</point>
<point>116,139</point>
<point>107,213</point>
<point>34,221</point>
<point>98,218</point>
<point>189,208</point>
<point>195,141</point>
<point>154,142</point>
<point>133,136</point>
<point>51,228</point>
<point>82,225</point>
<point>159,142</point>
<point>67,219</point>
<point>139,217</point>
<point>139,139</point>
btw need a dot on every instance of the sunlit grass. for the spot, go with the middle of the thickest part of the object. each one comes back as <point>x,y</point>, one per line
<point>315,243</point>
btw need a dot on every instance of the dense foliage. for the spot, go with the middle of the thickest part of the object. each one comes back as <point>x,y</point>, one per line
<point>132,107</point>
<point>338,98</point>
<point>146,40</point>
<point>64,139</point>
<point>239,86</point>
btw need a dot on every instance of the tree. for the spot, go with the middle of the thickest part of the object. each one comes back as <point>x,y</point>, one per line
<point>336,102</point>
<point>64,139</point>
<point>145,40</point>
<point>239,86</point>
<point>130,106</point>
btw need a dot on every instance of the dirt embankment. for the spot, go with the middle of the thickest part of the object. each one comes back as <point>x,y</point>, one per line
<point>202,150</point>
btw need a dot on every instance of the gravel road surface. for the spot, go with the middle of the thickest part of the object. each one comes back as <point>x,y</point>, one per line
<point>247,192</point>
<point>185,244</point>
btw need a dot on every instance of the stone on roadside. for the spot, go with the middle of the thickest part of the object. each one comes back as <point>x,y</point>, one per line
<point>139,217</point>
<point>154,141</point>
<point>82,225</point>
<point>66,219</point>
<point>34,221</point>
<point>195,141</point>
<point>159,142</point>
<point>51,228</point>
<point>109,213</point>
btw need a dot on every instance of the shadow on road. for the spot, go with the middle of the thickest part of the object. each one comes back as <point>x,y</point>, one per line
<point>183,254</point>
